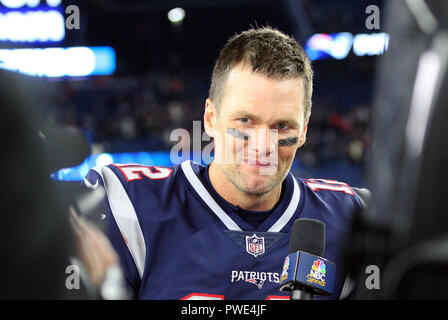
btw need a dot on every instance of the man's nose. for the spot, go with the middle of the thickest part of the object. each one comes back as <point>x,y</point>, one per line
<point>264,142</point>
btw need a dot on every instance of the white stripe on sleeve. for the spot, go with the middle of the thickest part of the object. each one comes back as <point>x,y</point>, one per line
<point>125,217</point>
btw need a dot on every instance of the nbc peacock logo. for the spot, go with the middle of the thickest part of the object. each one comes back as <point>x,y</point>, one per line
<point>317,273</point>
<point>284,274</point>
<point>319,266</point>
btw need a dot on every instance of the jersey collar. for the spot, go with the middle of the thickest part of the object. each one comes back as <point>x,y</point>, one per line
<point>274,223</point>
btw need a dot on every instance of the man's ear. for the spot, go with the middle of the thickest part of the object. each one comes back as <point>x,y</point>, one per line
<point>303,135</point>
<point>210,117</point>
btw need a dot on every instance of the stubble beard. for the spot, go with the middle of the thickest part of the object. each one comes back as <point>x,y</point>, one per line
<point>238,181</point>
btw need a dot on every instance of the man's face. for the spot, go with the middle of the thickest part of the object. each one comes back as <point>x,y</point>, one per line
<point>258,130</point>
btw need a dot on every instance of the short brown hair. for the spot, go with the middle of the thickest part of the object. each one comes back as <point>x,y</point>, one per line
<point>268,52</point>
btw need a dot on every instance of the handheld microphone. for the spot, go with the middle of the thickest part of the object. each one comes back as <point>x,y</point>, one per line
<point>305,273</point>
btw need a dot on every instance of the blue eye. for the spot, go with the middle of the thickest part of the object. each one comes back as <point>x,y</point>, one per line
<point>282,126</point>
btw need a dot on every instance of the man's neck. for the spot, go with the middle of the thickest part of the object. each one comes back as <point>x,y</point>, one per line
<point>229,192</point>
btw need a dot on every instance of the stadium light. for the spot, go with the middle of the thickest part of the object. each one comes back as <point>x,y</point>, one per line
<point>338,45</point>
<point>77,173</point>
<point>104,159</point>
<point>14,4</point>
<point>53,3</point>
<point>370,44</point>
<point>176,15</point>
<point>32,26</point>
<point>60,62</point>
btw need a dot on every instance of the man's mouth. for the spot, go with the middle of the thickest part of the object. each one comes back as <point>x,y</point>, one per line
<point>259,163</point>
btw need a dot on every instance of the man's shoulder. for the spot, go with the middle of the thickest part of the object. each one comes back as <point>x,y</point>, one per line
<point>133,177</point>
<point>333,189</point>
<point>333,202</point>
<point>137,178</point>
<point>146,190</point>
<point>335,194</point>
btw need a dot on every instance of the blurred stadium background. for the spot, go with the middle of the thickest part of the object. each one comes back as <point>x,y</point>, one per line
<point>129,75</point>
<point>136,70</point>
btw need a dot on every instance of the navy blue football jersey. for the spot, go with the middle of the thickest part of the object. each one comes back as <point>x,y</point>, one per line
<point>176,240</point>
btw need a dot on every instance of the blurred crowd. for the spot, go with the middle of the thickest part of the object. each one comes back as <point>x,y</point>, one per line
<point>130,113</point>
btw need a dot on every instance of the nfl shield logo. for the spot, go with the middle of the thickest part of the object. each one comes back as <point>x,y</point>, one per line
<point>255,245</point>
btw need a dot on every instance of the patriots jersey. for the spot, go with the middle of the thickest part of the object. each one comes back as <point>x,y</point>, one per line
<point>176,239</point>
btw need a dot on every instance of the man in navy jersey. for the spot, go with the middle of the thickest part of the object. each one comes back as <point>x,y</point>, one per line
<point>222,231</point>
